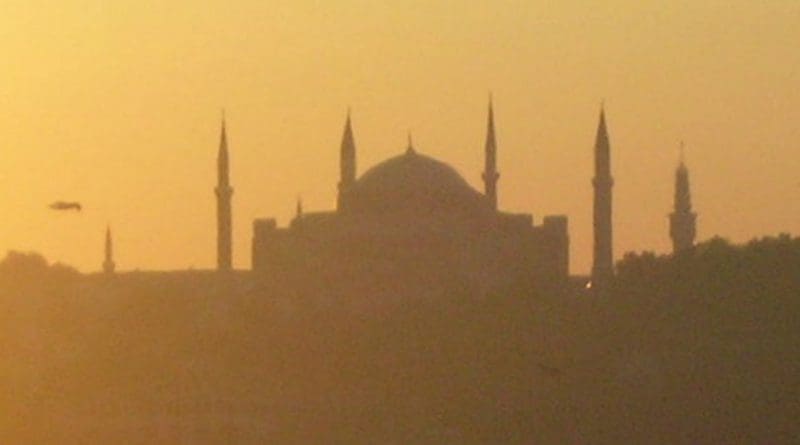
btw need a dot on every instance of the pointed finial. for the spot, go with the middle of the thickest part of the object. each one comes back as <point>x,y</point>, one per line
<point>108,240</point>
<point>299,209</point>
<point>410,148</point>
<point>490,116</point>
<point>681,156</point>
<point>222,118</point>
<point>348,127</point>
<point>603,114</point>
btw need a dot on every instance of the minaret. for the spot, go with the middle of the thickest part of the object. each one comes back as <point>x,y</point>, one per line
<point>347,163</point>
<point>603,266</point>
<point>224,192</point>
<point>490,174</point>
<point>108,263</point>
<point>682,221</point>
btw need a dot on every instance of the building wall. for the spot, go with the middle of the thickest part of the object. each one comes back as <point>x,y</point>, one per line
<point>339,249</point>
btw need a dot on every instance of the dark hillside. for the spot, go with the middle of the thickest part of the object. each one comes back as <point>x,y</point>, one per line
<point>701,348</point>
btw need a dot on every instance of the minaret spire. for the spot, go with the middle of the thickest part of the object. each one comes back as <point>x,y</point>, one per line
<point>603,265</point>
<point>347,163</point>
<point>682,220</point>
<point>108,262</point>
<point>224,192</point>
<point>490,174</point>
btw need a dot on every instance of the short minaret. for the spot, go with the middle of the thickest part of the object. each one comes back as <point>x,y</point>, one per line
<point>603,266</point>
<point>223,192</point>
<point>682,220</point>
<point>347,163</point>
<point>490,174</point>
<point>108,263</point>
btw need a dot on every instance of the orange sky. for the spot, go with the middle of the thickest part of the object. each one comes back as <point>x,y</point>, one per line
<point>117,104</point>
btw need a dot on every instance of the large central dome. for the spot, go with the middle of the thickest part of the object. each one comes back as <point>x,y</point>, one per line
<point>415,183</point>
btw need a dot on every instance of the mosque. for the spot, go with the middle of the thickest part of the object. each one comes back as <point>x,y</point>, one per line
<point>409,217</point>
<point>414,218</point>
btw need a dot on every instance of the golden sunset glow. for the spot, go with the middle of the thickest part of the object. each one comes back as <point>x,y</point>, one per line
<point>117,105</point>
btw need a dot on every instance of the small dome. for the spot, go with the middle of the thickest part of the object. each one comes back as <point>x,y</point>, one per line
<point>415,183</point>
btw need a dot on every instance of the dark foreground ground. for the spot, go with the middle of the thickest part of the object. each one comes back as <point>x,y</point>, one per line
<point>700,349</point>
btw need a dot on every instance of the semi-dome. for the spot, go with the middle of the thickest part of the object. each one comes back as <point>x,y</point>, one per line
<point>413,182</point>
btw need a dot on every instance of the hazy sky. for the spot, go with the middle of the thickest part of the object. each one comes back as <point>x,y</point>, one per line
<point>117,104</point>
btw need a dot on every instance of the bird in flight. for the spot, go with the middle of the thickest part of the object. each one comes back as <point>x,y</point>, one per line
<point>64,205</point>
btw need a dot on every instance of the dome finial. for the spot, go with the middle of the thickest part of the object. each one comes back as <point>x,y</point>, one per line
<point>410,148</point>
<point>299,207</point>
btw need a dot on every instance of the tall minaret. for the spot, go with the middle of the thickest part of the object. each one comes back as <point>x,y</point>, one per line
<point>682,220</point>
<point>490,174</point>
<point>603,266</point>
<point>347,163</point>
<point>108,263</point>
<point>224,192</point>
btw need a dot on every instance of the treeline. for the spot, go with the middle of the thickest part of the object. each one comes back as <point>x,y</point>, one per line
<point>704,345</point>
<point>21,268</point>
<point>770,265</point>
